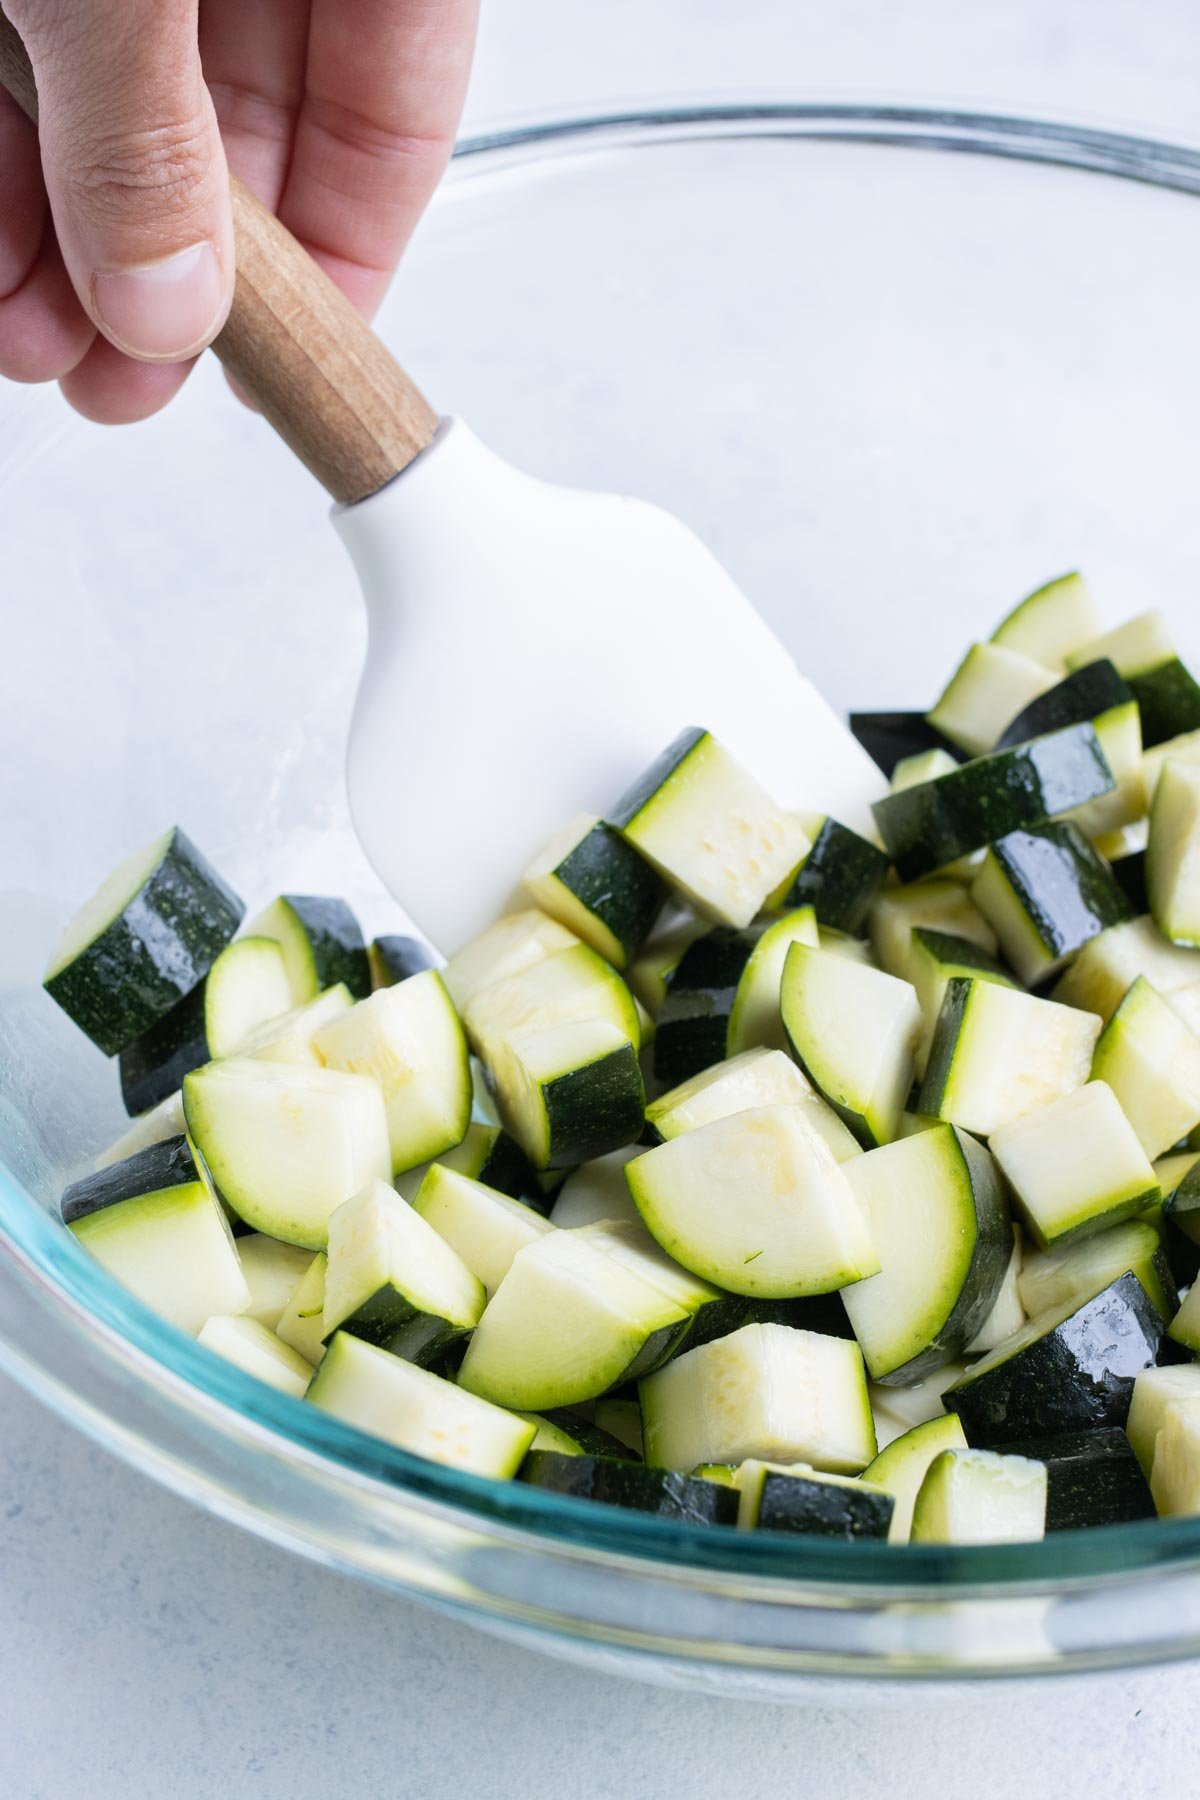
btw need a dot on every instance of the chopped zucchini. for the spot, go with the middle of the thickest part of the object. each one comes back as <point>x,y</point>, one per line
<point>935,959</point>
<point>927,765</point>
<point>485,1228</point>
<point>1008,1314</point>
<point>569,1092</point>
<point>723,997</point>
<point>774,1497</point>
<point>620,1416</point>
<point>1151,1060</point>
<point>1175,1477</point>
<point>1173,855</point>
<point>596,1192</point>
<point>418,1411</point>
<point>630,1484</point>
<point>754,1018</point>
<point>709,829</point>
<point>990,686</point>
<point>567,1323</point>
<point>713,1313</point>
<point>897,1409</point>
<point>902,1466</point>
<point>1154,1392</point>
<point>486,1154</point>
<point>570,1435</point>
<point>756,1204</point>
<point>1077,1271</point>
<point>1142,651</point>
<point>290,1038</point>
<point>322,944</point>
<point>256,1350</point>
<point>1075,1166</point>
<point>940,905</point>
<point>1051,623</point>
<point>594,882</point>
<point>1107,967</point>
<point>756,1078</point>
<point>998,1054</point>
<point>935,823</point>
<point>765,1391</point>
<point>890,738</point>
<point>1092,1478</point>
<point>1046,893</point>
<point>285,1145</point>
<point>980,1497</point>
<point>938,1218</point>
<point>506,948</point>
<point>839,876</point>
<point>299,1324</point>
<point>1185,748</point>
<point>1095,694</point>
<point>393,959</point>
<point>1072,1369</point>
<point>154,1224</point>
<point>649,976</point>
<point>273,1272</point>
<point>559,989</point>
<point>854,1031</point>
<point>143,942</point>
<point>165,1121</point>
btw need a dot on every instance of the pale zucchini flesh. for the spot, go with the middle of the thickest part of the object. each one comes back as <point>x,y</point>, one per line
<point>854,1032</point>
<point>257,1351</point>
<point>1151,1060</point>
<point>393,1280</point>
<point>1075,1166</point>
<point>998,1054</point>
<point>903,1465</point>
<point>980,1497</point>
<point>486,1229</point>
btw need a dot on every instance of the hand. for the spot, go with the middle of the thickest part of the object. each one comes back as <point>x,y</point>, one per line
<point>116,251</point>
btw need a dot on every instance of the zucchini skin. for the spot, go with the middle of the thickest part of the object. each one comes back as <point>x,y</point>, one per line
<point>821,1509</point>
<point>1169,701</point>
<point>1077,1377</point>
<point>691,1032</point>
<point>1129,872</point>
<point>591,1439</point>
<point>154,953</point>
<point>155,1064</point>
<point>945,1044</point>
<point>164,1165</point>
<point>1065,888</point>
<point>388,1319</point>
<point>339,951</point>
<point>889,737</point>
<point>593,1110</point>
<point>609,878</point>
<point>393,959</point>
<point>690,1500</point>
<point>839,878</point>
<point>928,826</point>
<point>1084,695</point>
<point>648,783</point>
<point>1093,1478</point>
<point>506,1168</point>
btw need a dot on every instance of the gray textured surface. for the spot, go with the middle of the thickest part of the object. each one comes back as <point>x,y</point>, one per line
<point>148,1650</point>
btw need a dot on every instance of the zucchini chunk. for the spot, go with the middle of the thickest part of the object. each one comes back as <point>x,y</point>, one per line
<point>1046,893</point>
<point>1079,1270</point>
<point>839,875</point>
<point>1106,968</point>
<point>723,997</point>
<point>980,1497</point>
<point>998,1054</point>
<point>937,1215</point>
<point>597,1192</point>
<point>272,1272</point>
<point>284,1144</point>
<point>256,1350</point>
<point>935,959</point>
<point>569,1092</point>
<point>409,1040</point>
<point>1175,1477</point>
<point>892,737</point>
<point>1008,1314</point>
<point>1179,1178</point>
<point>725,1473</point>
<point>416,1410</point>
<point>155,1225</point>
<point>1173,855</point>
<point>901,1468</point>
<point>145,939</point>
<point>940,905</point>
<point>755,1078</point>
<point>155,1127</point>
<point>713,1313</point>
<point>322,944</point>
<point>773,1497</point>
<point>1168,697</point>
<point>393,959</point>
<point>1151,1060</point>
<point>620,1416</point>
<point>559,989</point>
<point>1093,1478</point>
<point>594,882</point>
<point>1095,694</point>
<point>990,686</point>
<point>291,1037</point>
<point>486,1153</point>
<point>393,1280</point>
<point>709,829</point>
<point>756,1204</point>
<point>1185,748</point>
<point>898,1409</point>
<point>1185,1326</point>
<point>484,1228</point>
<point>506,948</point>
<point>570,1435</point>
<point>567,1323</point>
<point>1155,1392</point>
<point>854,1032</point>
<point>299,1324</point>
<point>928,765</point>
<point>246,986</point>
<point>631,1484</point>
<point>1051,623</point>
<point>649,976</point>
<point>926,827</point>
<point>766,1391</point>
<point>1075,1166</point>
<point>1072,1369</point>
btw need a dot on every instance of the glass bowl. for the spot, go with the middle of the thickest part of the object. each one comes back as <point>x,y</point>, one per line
<point>897,367</point>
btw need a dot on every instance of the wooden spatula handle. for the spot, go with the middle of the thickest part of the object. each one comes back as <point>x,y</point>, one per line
<point>295,344</point>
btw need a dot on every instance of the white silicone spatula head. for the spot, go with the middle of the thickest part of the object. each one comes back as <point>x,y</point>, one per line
<point>531,648</point>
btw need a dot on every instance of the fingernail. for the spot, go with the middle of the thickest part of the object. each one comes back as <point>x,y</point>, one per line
<point>163,311</point>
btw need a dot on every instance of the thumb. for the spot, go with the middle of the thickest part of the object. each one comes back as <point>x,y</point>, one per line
<point>134,168</point>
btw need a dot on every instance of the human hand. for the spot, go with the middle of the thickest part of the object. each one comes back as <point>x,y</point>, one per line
<point>116,249</point>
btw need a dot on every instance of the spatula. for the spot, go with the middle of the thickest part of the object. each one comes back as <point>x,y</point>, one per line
<point>531,648</point>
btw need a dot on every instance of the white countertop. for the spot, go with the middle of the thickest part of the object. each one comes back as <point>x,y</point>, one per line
<point>147,1649</point>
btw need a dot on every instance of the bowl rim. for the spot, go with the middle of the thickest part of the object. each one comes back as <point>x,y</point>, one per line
<point>42,1256</point>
